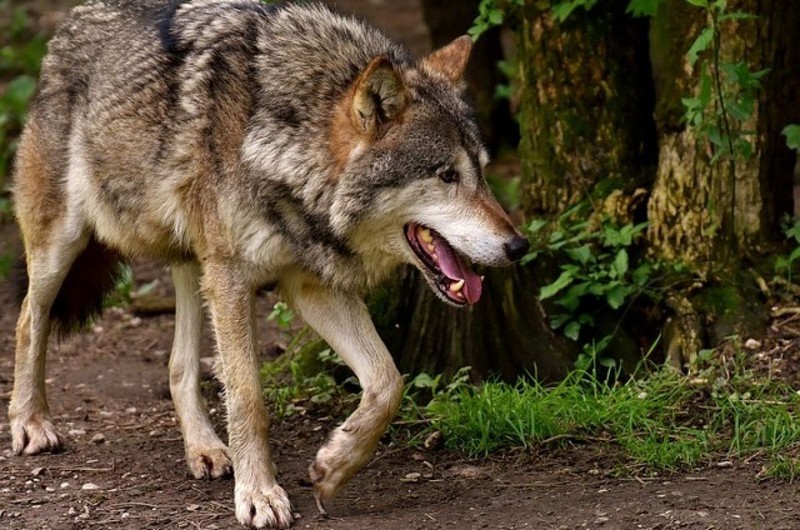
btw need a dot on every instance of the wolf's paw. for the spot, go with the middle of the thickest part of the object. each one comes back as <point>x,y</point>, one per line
<point>265,507</point>
<point>34,435</point>
<point>209,462</point>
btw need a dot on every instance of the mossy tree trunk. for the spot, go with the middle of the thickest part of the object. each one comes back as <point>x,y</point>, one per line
<point>587,98</point>
<point>692,214</point>
<point>584,124</point>
<point>702,214</point>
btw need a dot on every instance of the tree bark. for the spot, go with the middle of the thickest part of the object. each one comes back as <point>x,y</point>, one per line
<point>586,101</point>
<point>698,214</point>
<point>505,335</point>
<point>691,211</point>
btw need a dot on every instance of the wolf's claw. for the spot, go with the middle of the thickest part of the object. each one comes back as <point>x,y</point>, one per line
<point>320,504</point>
<point>263,507</point>
<point>35,436</point>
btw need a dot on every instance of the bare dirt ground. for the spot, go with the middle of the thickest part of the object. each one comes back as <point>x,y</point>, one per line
<point>123,464</point>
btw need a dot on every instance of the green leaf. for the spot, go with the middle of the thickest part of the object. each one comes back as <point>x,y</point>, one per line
<point>559,320</point>
<point>18,93</point>
<point>556,236</point>
<point>607,362</point>
<point>698,3</point>
<point>616,296</point>
<point>792,134</point>
<point>643,8</point>
<point>620,265</point>
<point>704,97</point>
<point>534,226</point>
<point>423,380</point>
<point>744,147</point>
<point>700,44</point>
<point>529,257</point>
<point>562,281</point>
<point>563,10</point>
<point>572,298</point>
<point>715,137</point>
<point>573,330</point>
<point>580,254</point>
<point>641,274</point>
<point>495,17</point>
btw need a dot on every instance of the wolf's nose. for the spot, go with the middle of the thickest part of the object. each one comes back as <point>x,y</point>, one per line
<point>516,248</point>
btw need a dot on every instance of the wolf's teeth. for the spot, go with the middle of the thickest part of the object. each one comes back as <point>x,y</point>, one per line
<point>431,248</point>
<point>456,286</point>
<point>425,235</point>
<point>482,278</point>
<point>435,258</point>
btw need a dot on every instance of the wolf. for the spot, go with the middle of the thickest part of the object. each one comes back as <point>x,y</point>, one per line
<point>246,145</point>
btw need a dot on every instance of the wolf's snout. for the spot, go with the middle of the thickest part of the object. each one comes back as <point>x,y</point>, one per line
<point>516,248</point>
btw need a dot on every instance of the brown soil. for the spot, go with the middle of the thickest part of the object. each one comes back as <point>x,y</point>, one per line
<point>112,381</point>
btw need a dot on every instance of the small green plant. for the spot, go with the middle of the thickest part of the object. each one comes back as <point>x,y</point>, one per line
<point>492,13</point>
<point>282,315</point>
<point>292,384</point>
<point>596,271</point>
<point>426,389</point>
<point>120,296</point>
<point>792,134</point>
<point>785,264</point>
<point>637,8</point>
<point>721,111</point>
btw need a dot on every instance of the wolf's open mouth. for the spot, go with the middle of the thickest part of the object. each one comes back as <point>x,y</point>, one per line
<point>448,270</point>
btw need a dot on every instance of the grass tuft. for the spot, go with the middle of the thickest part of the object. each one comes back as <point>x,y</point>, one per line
<point>664,421</point>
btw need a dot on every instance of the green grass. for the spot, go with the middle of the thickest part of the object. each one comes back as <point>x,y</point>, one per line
<point>663,421</point>
<point>657,421</point>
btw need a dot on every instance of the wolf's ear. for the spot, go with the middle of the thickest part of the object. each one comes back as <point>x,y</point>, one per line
<point>451,60</point>
<point>380,97</point>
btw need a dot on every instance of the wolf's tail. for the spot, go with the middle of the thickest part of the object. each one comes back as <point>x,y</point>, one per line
<point>95,273</point>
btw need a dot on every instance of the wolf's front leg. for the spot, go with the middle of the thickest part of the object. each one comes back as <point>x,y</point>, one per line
<point>344,322</point>
<point>260,502</point>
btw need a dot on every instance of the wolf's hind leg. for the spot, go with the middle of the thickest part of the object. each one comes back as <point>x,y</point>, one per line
<point>206,455</point>
<point>344,322</point>
<point>32,430</point>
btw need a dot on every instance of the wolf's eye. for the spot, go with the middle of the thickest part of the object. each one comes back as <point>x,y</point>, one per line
<point>449,175</point>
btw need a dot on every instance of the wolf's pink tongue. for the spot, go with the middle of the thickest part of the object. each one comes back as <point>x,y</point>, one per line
<point>454,268</point>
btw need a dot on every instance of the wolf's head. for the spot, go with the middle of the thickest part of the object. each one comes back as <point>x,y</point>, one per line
<point>411,185</point>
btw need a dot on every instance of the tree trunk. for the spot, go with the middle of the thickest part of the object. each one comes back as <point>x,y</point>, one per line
<point>504,335</point>
<point>586,102</point>
<point>693,218</point>
<point>699,213</point>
